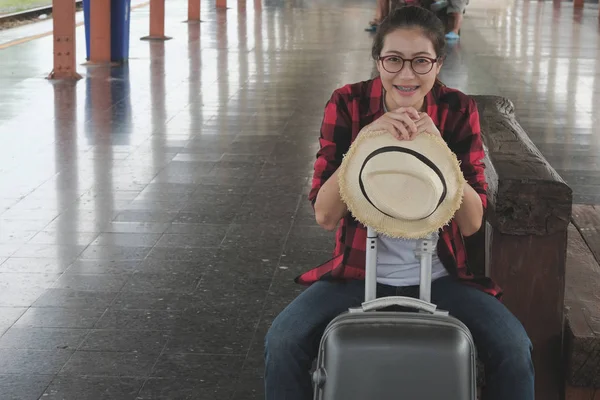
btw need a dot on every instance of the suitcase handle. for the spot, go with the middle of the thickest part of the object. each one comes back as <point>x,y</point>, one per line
<point>402,301</point>
<point>424,250</point>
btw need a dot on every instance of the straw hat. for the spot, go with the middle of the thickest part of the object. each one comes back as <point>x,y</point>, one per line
<point>402,189</point>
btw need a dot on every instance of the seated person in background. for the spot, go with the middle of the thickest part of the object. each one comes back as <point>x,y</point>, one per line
<point>455,10</point>
<point>407,100</point>
<point>385,6</point>
<point>381,12</point>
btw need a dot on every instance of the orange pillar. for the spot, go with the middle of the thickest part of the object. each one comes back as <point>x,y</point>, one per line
<point>63,20</point>
<point>100,31</point>
<point>577,3</point>
<point>221,3</point>
<point>193,10</point>
<point>157,21</point>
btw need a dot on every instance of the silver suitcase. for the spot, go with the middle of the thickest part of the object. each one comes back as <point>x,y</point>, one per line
<point>384,355</point>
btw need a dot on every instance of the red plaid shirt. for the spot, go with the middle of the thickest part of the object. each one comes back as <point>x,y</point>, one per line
<point>350,109</point>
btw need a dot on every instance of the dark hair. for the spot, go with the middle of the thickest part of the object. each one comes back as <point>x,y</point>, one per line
<point>411,17</point>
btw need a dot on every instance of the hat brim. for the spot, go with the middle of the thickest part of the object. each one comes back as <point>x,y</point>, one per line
<point>431,146</point>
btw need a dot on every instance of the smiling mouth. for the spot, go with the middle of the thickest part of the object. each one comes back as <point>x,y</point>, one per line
<point>406,89</point>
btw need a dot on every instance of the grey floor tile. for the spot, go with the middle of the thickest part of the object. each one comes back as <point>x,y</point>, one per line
<point>139,320</point>
<point>223,317</point>
<point>163,282</point>
<point>58,251</point>
<point>212,339</point>
<point>238,294</point>
<point>96,282</point>
<point>215,231</point>
<point>203,190</point>
<point>166,301</point>
<point>35,265</point>
<point>249,389</point>
<point>211,370</point>
<point>146,342</point>
<point>23,387</point>
<point>305,258</point>
<point>220,201</point>
<point>27,280</point>
<point>95,363</point>
<point>135,227</point>
<point>19,297</point>
<point>191,267</point>
<point>203,213</point>
<point>204,238</point>
<point>310,238</point>
<point>180,254</point>
<point>54,317</point>
<point>93,388</point>
<point>114,253</point>
<point>126,239</point>
<point>92,267</point>
<point>54,237</point>
<point>42,338</point>
<point>146,216</point>
<point>8,315</point>
<point>7,250</point>
<point>269,238</point>
<point>68,298</point>
<point>17,361</point>
<point>184,389</point>
<point>267,207</point>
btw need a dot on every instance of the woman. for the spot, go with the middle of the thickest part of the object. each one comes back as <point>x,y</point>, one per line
<point>407,100</point>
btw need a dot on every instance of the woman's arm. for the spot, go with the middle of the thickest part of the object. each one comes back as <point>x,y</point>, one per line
<point>469,216</point>
<point>335,138</point>
<point>465,141</point>
<point>329,207</point>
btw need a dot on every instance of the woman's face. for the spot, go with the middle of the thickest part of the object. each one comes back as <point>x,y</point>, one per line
<point>407,88</point>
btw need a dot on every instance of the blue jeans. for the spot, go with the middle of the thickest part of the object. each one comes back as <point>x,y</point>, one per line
<point>502,344</point>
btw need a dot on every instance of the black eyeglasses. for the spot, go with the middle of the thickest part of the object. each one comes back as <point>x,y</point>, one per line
<point>420,65</point>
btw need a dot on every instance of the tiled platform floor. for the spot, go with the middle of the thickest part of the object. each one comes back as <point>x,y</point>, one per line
<point>153,216</point>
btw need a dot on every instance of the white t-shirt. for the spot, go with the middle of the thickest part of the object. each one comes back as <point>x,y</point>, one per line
<point>398,265</point>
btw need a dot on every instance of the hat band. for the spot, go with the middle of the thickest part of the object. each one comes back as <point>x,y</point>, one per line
<point>420,157</point>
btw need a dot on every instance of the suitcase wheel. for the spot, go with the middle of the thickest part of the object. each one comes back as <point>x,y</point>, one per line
<point>319,377</point>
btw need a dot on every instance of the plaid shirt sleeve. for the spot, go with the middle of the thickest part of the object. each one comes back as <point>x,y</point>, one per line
<point>466,143</point>
<point>334,140</point>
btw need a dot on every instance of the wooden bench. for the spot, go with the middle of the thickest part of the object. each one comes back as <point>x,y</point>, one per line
<point>582,302</point>
<point>523,243</point>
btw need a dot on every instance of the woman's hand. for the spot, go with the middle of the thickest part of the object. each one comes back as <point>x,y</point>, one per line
<point>406,123</point>
<point>425,124</point>
<point>401,122</point>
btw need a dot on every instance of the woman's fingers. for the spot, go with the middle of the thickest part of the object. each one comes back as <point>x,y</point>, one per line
<point>402,130</point>
<point>424,119</point>
<point>395,128</point>
<point>405,119</point>
<point>411,111</point>
<point>427,126</point>
<point>404,123</point>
